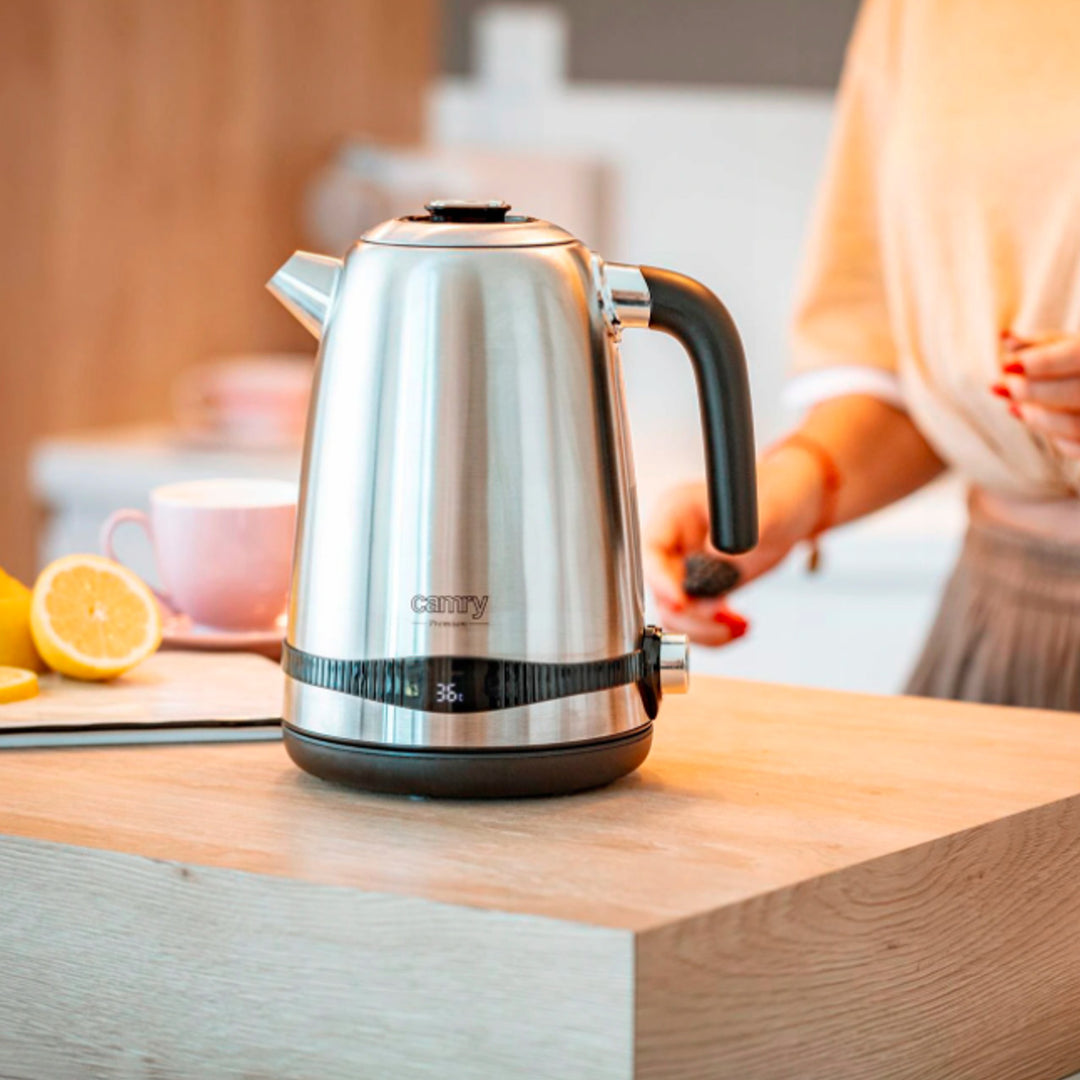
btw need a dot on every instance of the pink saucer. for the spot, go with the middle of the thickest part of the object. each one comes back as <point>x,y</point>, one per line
<point>179,632</point>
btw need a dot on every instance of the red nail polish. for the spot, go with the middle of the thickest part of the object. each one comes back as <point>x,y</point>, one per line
<point>1014,410</point>
<point>736,624</point>
<point>1014,367</point>
<point>1001,390</point>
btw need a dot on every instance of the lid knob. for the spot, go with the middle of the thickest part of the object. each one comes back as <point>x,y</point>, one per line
<point>467,210</point>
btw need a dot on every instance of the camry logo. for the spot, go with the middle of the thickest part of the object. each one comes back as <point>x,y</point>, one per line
<point>475,606</point>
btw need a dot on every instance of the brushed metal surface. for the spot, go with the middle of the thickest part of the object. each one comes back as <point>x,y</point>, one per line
<point>468,488</point>
<point>674,663</point>
<point>549,723</point>
<point>305,287</point>
<point>625,289</point>
<point>517,231</point>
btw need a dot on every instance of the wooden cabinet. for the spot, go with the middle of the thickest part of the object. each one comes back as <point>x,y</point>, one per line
<point>154,156</point>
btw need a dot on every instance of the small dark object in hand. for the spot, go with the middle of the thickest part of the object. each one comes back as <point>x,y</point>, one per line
<point>708,576</point>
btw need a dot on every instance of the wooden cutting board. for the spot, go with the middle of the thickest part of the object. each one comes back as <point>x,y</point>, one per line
<point>174,696</point>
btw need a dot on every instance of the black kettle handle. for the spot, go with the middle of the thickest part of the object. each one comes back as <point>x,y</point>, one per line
<point>691,313</point>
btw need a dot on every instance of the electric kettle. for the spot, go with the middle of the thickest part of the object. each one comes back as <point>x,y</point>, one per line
<point>467,612</point>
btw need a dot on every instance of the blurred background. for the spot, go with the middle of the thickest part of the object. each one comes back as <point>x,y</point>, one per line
<point>162,159</point>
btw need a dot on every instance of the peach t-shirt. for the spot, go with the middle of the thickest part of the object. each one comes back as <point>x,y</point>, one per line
<point>950,209</point>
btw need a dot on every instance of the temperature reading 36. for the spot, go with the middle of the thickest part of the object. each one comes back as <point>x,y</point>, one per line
<point>446,693</point>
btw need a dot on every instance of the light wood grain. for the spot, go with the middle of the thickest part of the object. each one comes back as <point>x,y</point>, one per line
<point>958,959</point>
<point>811,884</point>
<point>749,788</point>
<point>151,969</point>
<point>155,156</point>
<point>168,688</point>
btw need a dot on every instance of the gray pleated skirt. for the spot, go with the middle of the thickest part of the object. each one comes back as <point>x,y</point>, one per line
<point>1008,629</point>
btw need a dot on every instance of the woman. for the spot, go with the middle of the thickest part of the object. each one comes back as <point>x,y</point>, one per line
<point>938,324</point>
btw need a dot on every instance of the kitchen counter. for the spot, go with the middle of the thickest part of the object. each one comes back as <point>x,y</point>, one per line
<point>796,884</point>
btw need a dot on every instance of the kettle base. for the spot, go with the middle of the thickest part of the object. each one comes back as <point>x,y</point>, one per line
<point>470,774</point>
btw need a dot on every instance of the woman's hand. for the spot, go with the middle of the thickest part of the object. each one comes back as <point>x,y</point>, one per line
<point>790,493</point>
<point>1041,380</point>
<point>880,457</point>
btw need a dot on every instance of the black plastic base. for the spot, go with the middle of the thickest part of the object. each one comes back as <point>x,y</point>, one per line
<point>470,774</point>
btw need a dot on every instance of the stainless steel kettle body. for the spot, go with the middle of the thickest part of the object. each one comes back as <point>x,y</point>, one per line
<point>467,613</point>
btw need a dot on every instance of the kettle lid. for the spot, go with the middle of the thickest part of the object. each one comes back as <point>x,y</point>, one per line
<point>463,223</point>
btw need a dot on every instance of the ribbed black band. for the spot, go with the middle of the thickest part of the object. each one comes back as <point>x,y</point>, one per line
<point>461,684</point>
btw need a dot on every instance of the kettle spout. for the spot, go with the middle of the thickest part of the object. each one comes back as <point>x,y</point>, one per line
<point>305,286</point>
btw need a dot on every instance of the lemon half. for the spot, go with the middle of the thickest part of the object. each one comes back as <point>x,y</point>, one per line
<point>92,618</point>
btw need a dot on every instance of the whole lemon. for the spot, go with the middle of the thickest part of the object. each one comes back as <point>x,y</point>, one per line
<point>16,643</point>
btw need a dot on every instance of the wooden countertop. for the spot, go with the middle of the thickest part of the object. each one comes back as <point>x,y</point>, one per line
<point>794,881</point>
<point>748,788</point>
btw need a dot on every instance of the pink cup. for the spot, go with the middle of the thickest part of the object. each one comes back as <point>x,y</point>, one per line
<point>223,548</point>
